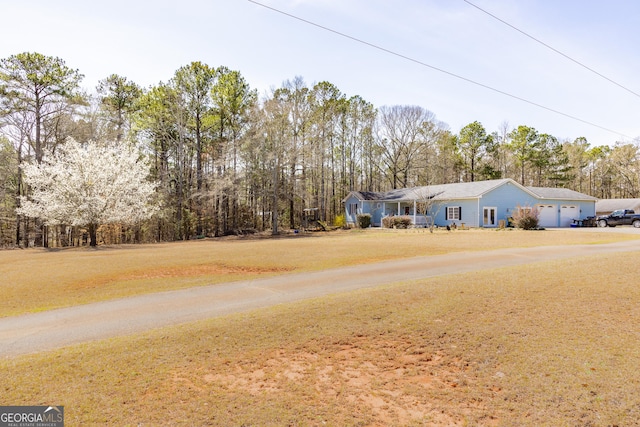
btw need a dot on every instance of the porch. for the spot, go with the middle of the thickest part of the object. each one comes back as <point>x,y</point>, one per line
<point>412,209</point>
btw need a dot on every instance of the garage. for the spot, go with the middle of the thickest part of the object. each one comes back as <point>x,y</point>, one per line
<point>567,214</point>
<point>547,215</point>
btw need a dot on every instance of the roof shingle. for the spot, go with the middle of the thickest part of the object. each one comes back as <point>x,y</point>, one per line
<point>467,190</point>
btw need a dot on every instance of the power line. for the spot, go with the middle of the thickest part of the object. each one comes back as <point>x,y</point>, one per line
<point>416,61</point>
<point>553,49</point>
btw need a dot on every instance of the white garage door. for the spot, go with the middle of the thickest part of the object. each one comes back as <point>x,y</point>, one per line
<point>567,214</point>
<point>548,215</point>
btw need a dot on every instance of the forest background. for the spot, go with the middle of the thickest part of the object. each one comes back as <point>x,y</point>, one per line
<point>228,161</point>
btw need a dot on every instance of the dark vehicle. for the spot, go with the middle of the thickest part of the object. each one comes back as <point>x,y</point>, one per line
<point>620,217</point>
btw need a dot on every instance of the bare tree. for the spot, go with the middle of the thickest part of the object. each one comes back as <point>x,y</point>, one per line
<point>400,137</point>
<point>428,204</point>
<point>276,131</point>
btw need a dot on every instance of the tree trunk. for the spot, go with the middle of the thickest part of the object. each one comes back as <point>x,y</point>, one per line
<point>19,193</point>
<point>274,203</point>
<point>292,195</point>
<point>93,235</point>
<point>199,175</point>
<point>18,230</point>
<point>25,232</point>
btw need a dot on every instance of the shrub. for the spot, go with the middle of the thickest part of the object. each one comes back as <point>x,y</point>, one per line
<point>364,220</point>
<point>403,221</point>
<point>340,221</point>
<point>397,221</point>
<point>525,218</point>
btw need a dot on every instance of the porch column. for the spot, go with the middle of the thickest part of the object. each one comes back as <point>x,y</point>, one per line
<point>383,213</point>
<point>399,213</point>
<point>414,212</point>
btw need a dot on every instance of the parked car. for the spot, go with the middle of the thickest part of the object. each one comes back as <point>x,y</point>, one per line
<point>620,217</point>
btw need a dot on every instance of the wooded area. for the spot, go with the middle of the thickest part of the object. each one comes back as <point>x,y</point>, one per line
<point>226,160</point>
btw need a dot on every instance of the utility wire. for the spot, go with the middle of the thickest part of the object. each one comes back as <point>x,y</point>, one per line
<point>391,52</point>
<point>553,49</point>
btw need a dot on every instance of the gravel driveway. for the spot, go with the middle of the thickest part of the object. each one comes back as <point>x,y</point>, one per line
<point>57,328</point>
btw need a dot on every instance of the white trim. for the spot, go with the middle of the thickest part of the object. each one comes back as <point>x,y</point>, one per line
<point>450,211</point>
<point>486,209</point>
<point>550,210</point>
<point>414,212</point>
<point>566,208</point>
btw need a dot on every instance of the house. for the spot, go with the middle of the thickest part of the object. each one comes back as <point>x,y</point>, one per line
<point>475,204</point>
<point>606,206</point>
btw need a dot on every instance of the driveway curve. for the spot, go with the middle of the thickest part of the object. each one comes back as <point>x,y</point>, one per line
<point>52,329</point>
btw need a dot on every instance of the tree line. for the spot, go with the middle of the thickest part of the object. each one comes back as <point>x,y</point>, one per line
<point>228,160</point>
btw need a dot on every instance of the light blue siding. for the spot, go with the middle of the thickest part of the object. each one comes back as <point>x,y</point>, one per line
<point>375,209</point>
<point>362,207</point>
<point>350,214</point>
<point>468,208</point>
<point>564,217</point>
<point>587,209</point>
<point>506,199</point>
<point>499,204</point>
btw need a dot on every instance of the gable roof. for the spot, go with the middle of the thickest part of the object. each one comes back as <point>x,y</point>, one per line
<point>559,194</point>
<point>465,190</point>
<point>365,195</point>
<point>460,190</point>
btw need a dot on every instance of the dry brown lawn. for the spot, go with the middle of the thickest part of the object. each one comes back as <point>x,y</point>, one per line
<point>40,279</point>
<point>548,344</point>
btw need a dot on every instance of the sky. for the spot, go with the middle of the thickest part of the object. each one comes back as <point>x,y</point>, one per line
<point>446,56</point>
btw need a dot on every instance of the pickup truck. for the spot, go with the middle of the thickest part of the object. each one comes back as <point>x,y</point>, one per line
<point>619,217</point>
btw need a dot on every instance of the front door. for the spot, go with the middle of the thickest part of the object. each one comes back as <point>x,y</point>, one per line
<point>489,217</point>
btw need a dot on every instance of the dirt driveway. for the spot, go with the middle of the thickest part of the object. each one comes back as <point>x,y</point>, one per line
<point>57,328</point>
<point>620,229</point>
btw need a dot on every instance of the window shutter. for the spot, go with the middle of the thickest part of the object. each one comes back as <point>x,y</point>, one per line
<point>446,213</point>
<point>460,213</point>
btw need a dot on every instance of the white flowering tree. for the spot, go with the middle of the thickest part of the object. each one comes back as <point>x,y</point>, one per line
<point>89,185</point>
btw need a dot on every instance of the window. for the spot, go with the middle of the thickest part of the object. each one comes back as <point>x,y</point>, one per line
<point>453,213</point>
<point>353,208</point>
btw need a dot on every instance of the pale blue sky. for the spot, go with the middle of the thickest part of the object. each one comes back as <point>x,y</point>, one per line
<point>147,42</point>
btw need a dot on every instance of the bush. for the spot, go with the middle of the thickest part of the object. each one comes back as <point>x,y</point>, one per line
<point>364,220</point>
<point>525,218</point>
<point>340,221</point>
<point>403,221</point>
<point>397,221</point>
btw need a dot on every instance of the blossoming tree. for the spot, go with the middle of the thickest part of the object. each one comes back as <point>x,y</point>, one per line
<point>89,185</point>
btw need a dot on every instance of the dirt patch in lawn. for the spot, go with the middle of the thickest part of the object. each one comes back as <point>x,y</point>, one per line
<point>371,375</point>
<point>546,344</point>
<point>185,271</point>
